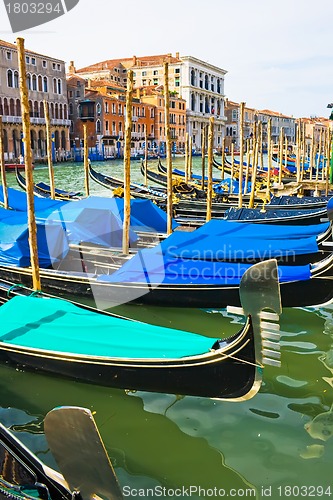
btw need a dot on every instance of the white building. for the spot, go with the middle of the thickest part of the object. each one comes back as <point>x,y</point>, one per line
<point>201,84</point>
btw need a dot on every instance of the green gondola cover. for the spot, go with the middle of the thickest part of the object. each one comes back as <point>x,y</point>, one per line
<point>57,325</point>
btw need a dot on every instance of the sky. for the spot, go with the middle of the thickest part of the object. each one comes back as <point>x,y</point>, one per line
<point>278,55</point>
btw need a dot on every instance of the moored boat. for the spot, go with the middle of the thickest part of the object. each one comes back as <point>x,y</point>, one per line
<point>132,355</point>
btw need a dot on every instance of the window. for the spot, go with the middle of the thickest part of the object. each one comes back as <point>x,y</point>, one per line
<point>16,79</point>
<point>59,86</point>
<point>98,126</point>
<point>144,73</point>
<point>98,109</point>
<point>27,59</point>
<point>177,70</point>
<point>107,109</point>
<point>10,78</point>
<point>33,61</point>
<point>34,82</point>
<point>44,63</point>
<point>9,56</point>
<point>155,72</point>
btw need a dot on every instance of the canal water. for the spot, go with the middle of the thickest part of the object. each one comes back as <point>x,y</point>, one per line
<point>278,444</point>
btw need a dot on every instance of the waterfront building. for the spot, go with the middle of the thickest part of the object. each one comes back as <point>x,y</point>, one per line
<point>251,117</point>
<point>106,102</point>
<point>177,114</point>
<point>199,83</point>
<point>46,81</point>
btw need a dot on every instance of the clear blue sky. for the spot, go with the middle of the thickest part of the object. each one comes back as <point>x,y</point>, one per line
<point>278,55</point>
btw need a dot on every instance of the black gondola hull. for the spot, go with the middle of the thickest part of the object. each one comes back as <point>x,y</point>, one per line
<point>214,375</point>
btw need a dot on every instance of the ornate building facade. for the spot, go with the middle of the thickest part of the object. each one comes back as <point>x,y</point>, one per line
<point>46,81</point>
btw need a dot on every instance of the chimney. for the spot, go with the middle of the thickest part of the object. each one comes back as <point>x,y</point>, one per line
<point>71,68</point>
<point>177,55</point>
<point>134,60</point>
<point>89,83</point>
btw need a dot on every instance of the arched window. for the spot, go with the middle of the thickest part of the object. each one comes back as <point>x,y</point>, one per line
<point>40,83</point>
<point>65,112</point>
<point>98,109</point>
<point>55,85</point>
<point>16,79</point>
<point>206,82</point>
<point>34,82</point>
<point>5,107</point>
<point>98,126</point>
<point>193,79</point>
<point>11,107</point>
<point>59,86</point>
<point>45,85</point>
<point>29,81</point>
<point>41,110</point>
<point>10,78</point>
<point>18,107</point>
<point>70,108</point>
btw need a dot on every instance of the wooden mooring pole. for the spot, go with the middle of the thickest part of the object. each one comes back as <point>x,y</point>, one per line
<point>3,167</point>
<point>210,169</point>
<point>127,163</point>
<point>36,282</point>
<point>49,148</point>
<point>168,147</point>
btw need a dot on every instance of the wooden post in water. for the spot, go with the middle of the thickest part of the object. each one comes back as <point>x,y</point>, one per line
<point>36,282</point>
<point>186,157</point>
<point>168,147</point>
<point>127,162</point>
<point>49,148</point>
<point>210,169</point>
<point>223,158</point>
<point>298,153</point>
<point>190,144</point>
<point>241,154</point>
<point>247,168</point>
<point>232,172</point>
<point>203,156</point>
<point>3,167</point>
<point>254,172</point>
<point>146,157</point>
<point>269,154</point>
<point>85,158</point>
<point>311,159</point>
<point>280,155</point>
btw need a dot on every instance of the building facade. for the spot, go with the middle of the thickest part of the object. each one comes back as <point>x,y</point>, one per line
<point>199,83</point>
<point>252,116</point>
<point>46,81</point>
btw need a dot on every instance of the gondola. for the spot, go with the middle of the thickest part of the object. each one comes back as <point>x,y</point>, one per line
<point>44,190</point>
<point>179,186</point>
<point>278,217</point>
<point>75,443</point>
<point>60,337</point>
<point>137,190</point>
